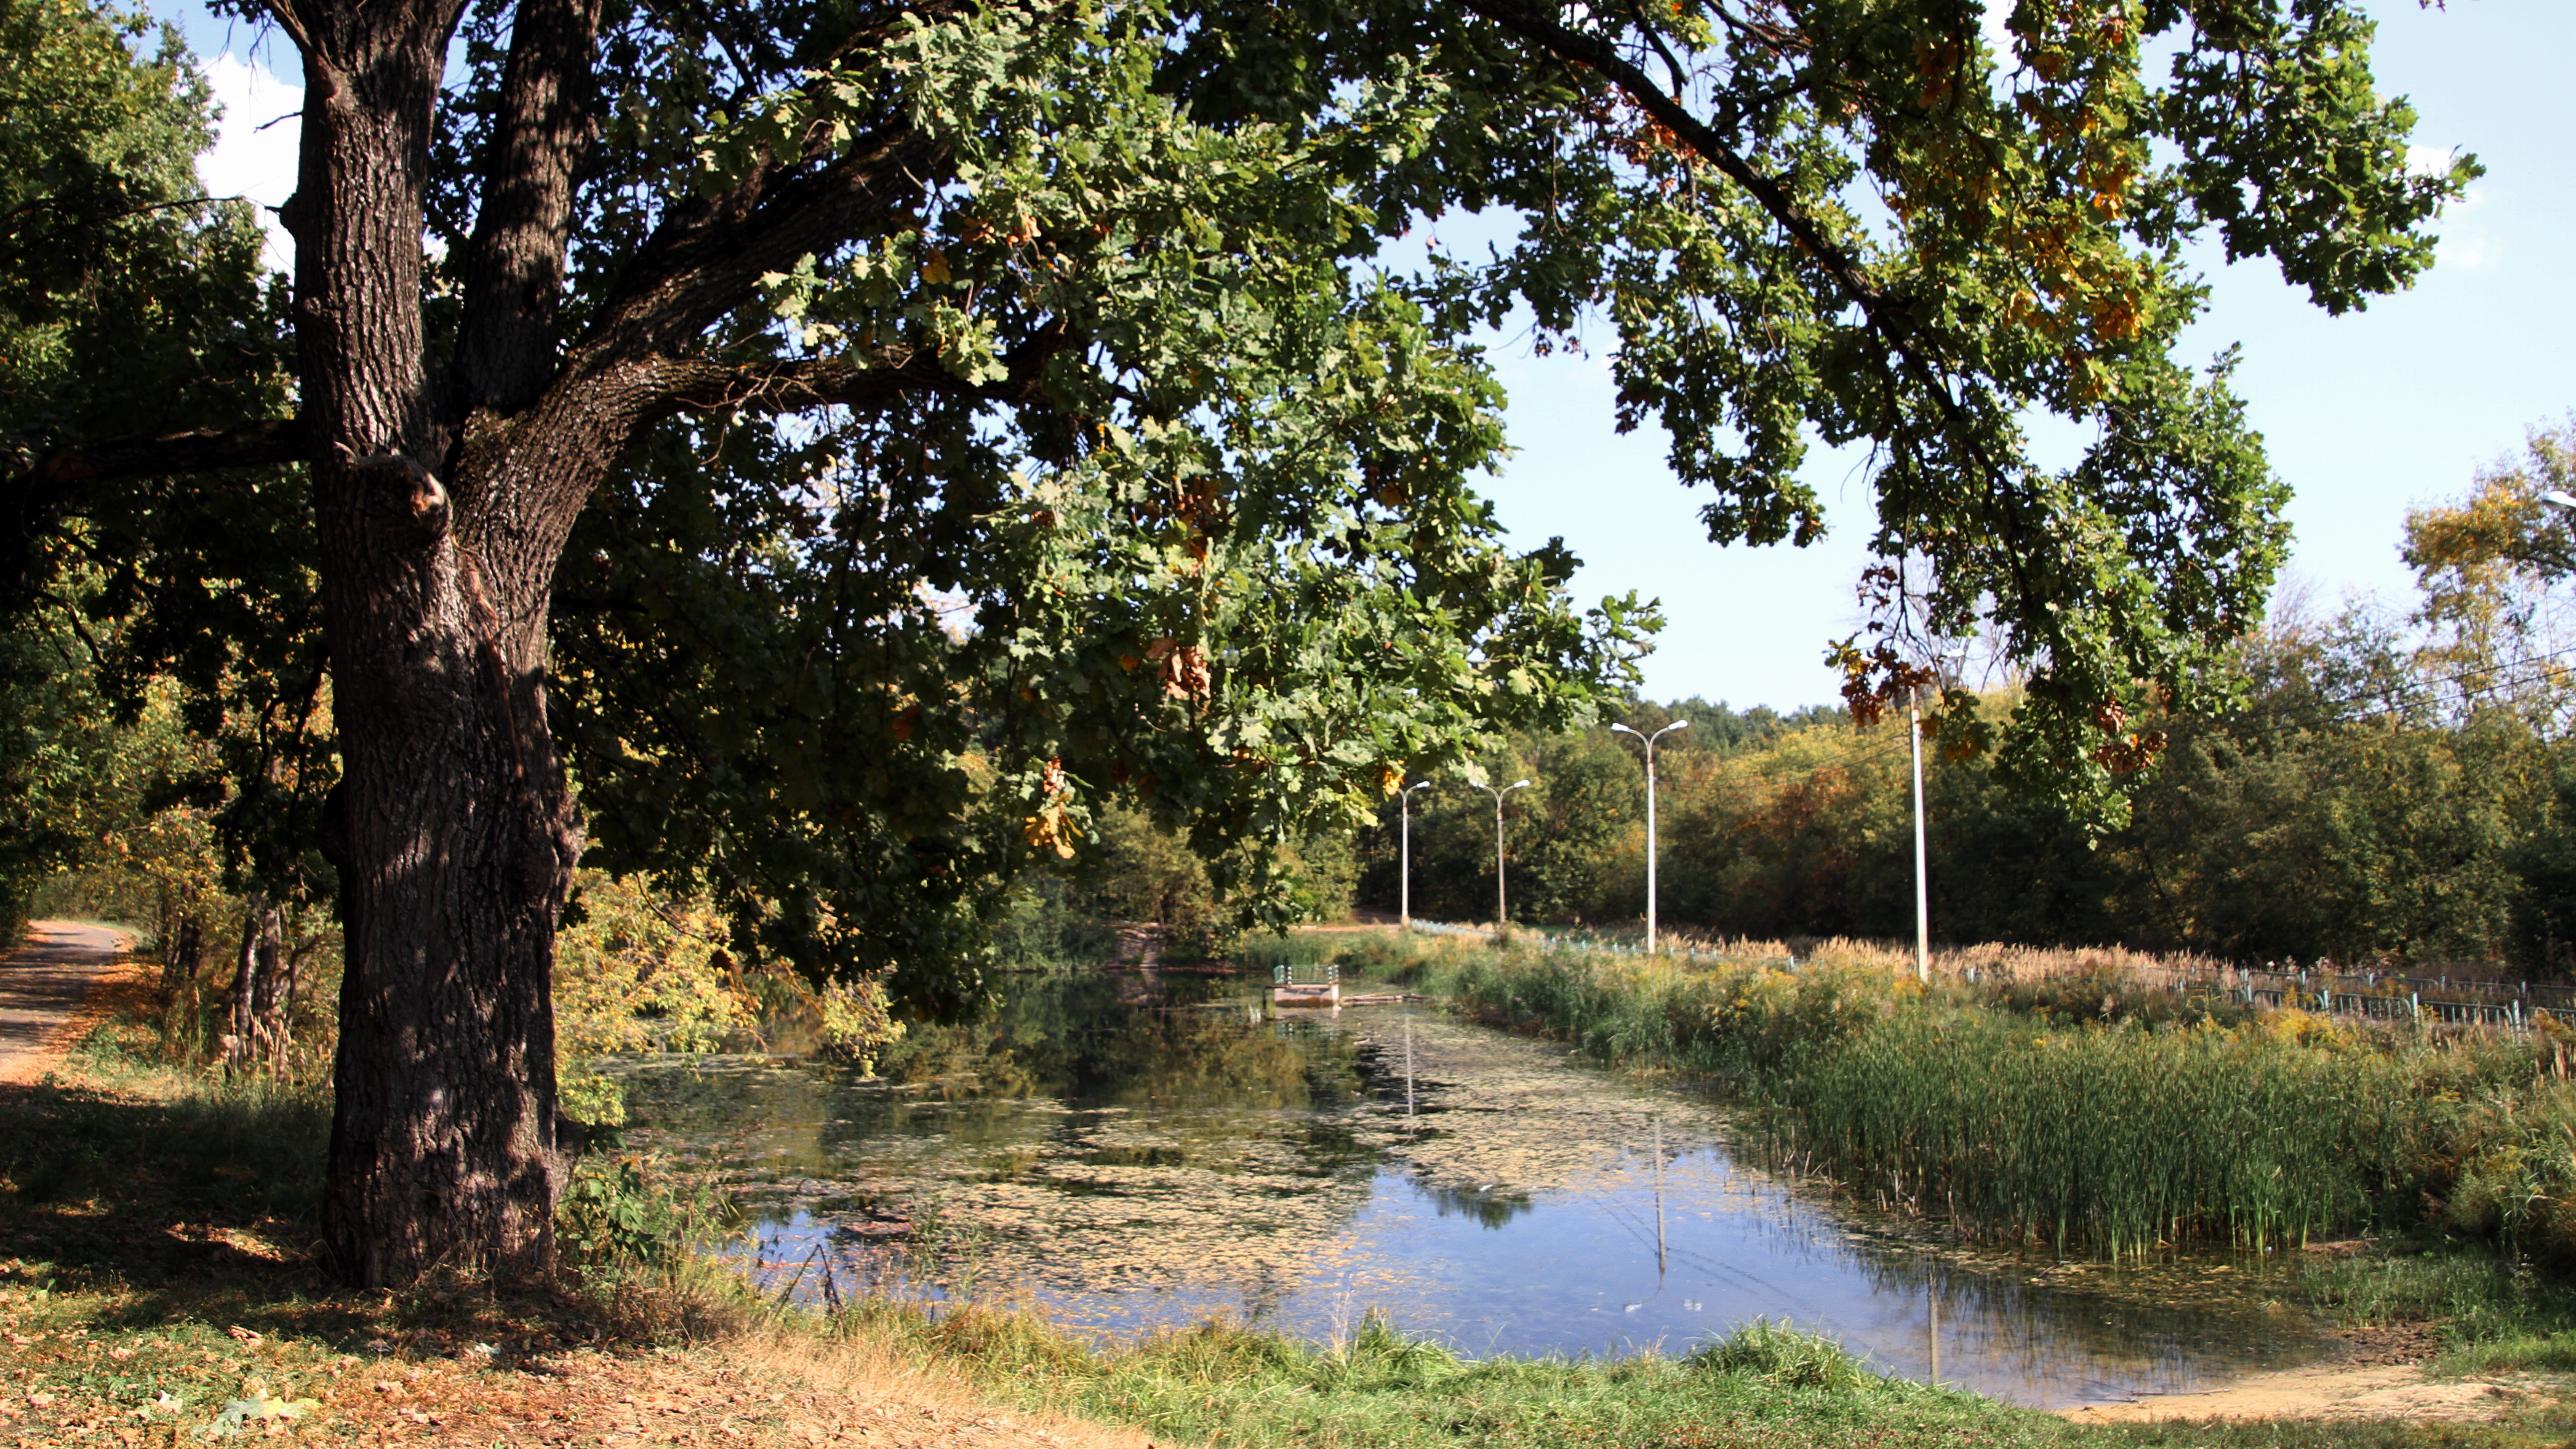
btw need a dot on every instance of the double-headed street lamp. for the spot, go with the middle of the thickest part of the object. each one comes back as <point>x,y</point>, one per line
<point>1620,729</point>
<point>1502,913</point>
<point>1404,871</point>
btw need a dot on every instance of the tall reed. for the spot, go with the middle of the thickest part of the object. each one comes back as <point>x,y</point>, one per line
<point>2116,1138</point>
<point>1984,1105</point>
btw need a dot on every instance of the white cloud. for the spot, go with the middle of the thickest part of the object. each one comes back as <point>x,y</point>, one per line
<point>254,154</point>
<point>2467,242</point>
<point>2430,160</point>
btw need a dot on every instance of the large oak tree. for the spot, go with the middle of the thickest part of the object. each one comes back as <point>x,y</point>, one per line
<point>914,422</point>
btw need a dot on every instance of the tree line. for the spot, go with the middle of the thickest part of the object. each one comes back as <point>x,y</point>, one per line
<point>2391,784</point>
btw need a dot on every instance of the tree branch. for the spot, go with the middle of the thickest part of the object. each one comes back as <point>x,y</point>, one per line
<point>505,350</point>
<point>695,272</point>
<point>1599,56</point>
<point>1889,319</point>
<point>281,440</point>
<point>705,385</point>
<point>35,500</point>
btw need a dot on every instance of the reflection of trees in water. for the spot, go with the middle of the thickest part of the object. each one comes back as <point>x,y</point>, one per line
<point>1093,1040</point>
<point>1107,1133</point>
<point>2062,1330</point>
<point>1481,1206</point>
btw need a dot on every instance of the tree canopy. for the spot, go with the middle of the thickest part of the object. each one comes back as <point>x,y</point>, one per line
<point>871,437</point>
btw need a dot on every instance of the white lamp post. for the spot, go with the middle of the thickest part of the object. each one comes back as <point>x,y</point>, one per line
<point>1679,724</point>
<point>1404,871</point>
<point>1502,912</point>
<point>1922,890</point>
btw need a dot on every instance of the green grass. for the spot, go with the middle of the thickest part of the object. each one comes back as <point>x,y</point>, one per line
<point>2495,1315</point>
<point>2116,1139</point>
<point>1766,1387</point>
<point>1224,1384</point>
<point>1264,950</point>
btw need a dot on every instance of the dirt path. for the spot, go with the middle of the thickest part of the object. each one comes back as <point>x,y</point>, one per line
<point>41,986</point>
<point>754,1392</point>
<point>2344,1391</point>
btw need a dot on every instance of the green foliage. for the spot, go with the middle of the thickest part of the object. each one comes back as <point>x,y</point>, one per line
<point>2353,811</point>
<point>858,1023</point>
<point>620,1213</point>
<point>1184,528</point>
<point>638,971</point>
<point>1778,1353</point>
<point>129,300</point>
<point>1163,506</point>
<point>58,764</point>
<point>1262,950</point>
<point>132,303</point>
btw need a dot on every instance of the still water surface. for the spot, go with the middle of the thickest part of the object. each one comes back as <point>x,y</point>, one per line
<point>1144,1150</point>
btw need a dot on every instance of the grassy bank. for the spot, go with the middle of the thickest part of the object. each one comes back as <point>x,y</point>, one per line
<point>159,1288</point>
<point>2055,1103</point>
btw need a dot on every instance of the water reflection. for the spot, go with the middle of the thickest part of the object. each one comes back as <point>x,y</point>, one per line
<point>1132,1152</point>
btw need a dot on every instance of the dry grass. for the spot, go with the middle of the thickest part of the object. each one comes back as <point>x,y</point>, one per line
<point>1990,960</point>
<point>864,1368</point>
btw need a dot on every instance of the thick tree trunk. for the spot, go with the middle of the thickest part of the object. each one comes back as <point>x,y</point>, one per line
<point>443,499</point>
<point>451,827</point>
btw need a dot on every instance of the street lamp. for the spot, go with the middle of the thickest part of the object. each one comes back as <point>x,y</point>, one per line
<point>1404,871</point>
<point>1620,729</point>
<point>1502,914</point>
<point>1922,891</point>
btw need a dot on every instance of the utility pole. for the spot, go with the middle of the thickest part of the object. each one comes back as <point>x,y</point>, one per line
<point>1404,870</point>
<point>1502,911</point>
<point>1922,891</point>
<point>1922,887</point>
<point>1679,724</point>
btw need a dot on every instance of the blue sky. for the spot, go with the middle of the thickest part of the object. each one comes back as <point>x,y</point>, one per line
<point>2365,415</point>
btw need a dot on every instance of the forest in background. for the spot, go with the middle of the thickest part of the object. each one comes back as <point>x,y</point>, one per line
<point>2396,784</point>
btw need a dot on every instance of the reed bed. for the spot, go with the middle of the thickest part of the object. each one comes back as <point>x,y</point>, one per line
<point>2055,1101</point>
<point>2121,1139</point>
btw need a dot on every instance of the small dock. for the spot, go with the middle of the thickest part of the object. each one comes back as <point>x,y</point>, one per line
<point>1306,986</point>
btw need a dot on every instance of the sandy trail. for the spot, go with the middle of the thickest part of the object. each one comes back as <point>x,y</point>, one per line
<point>2348,1391</point>
<point>42,984</point>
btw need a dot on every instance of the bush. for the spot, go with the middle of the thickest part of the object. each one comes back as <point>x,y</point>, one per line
<point>623,1211</point>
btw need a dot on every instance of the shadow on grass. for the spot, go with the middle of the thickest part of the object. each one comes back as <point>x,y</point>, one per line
<point>200,1205</point>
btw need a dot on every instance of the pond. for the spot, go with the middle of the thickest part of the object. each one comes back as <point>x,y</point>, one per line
<point>1148,1149</point>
